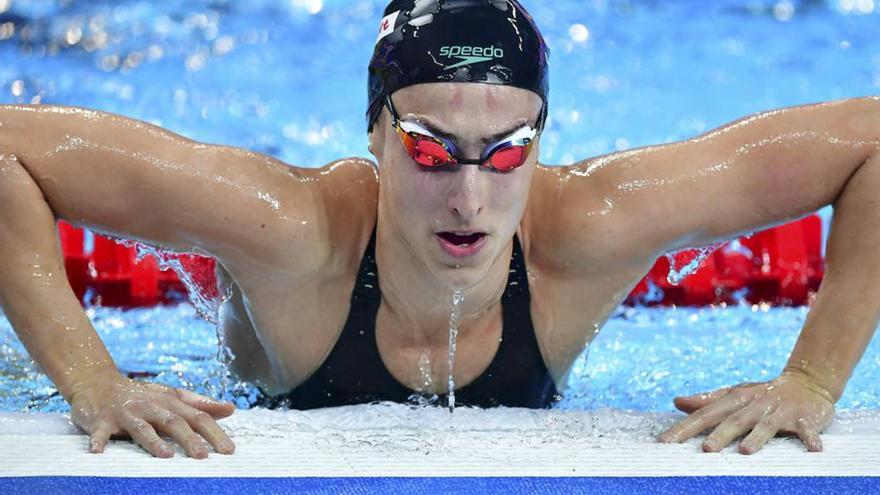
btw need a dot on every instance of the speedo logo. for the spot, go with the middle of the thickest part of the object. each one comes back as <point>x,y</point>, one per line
<point>470,54</point>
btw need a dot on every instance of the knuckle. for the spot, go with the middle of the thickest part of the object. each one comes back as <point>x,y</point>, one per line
<point>202,417</point>
<point>139,425</point>
<point>170,420</point>
<point>767,422</point>
<point>736,394</point>
<point>738,421</point>
<point>163,419</point>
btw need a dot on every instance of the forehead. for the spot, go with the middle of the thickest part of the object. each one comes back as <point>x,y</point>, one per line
<point>462,106</point>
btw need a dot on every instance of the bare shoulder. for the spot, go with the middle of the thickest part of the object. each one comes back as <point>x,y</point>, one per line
<point>576,222</point>
<point>349,195</point>
<point>313,216</point>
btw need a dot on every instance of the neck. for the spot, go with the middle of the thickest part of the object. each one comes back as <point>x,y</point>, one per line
<point>419,304</point>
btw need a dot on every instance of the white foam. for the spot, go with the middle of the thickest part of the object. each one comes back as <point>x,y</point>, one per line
<point>395,440</point>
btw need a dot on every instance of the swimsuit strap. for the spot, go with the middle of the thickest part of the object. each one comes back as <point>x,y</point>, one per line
<point>366,287</point>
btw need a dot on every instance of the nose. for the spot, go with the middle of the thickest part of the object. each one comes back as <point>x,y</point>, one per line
<point>466,196</point>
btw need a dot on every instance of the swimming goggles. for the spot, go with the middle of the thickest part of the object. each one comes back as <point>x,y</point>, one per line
<point>432,151</point>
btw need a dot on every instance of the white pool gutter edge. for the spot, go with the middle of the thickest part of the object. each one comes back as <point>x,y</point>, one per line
<point>399,441</point>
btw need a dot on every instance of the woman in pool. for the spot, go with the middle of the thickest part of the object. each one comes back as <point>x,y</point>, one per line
<point>343,277</point>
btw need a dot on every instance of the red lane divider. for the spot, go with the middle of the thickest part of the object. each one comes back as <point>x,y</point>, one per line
<point>111,275</point>
<point>782,265</point>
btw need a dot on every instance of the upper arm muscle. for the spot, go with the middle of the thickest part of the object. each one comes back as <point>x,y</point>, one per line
<point>753,173</point>
<point>131,179</point>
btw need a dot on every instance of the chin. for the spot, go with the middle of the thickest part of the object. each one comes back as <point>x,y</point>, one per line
<point>461,278</point>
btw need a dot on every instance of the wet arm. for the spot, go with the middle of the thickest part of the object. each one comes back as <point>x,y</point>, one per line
<point>35,294</point>
<point>130,179</point>
<point>846,312</point>
<point>134,180</point>
<point>837,331</point>
<point>757,172</point>
<point>783,165</point>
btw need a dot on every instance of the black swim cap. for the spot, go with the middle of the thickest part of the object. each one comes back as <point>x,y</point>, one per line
<point>486,41</point>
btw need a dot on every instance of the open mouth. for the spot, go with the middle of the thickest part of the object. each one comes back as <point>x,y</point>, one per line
<point>461,239</point>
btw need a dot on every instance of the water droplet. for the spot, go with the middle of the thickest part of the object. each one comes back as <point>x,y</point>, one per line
<point>689,266</point>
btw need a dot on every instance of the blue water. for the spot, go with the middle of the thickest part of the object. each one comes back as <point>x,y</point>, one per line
<point>641,359</point>
<point>287,77</point>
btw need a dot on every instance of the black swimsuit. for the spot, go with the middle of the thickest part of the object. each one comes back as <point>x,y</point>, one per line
<point>354,373</point>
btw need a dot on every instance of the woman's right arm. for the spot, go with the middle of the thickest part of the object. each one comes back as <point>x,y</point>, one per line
<point>133,180</point>
<point>39,303</point>
<point>130,179</point>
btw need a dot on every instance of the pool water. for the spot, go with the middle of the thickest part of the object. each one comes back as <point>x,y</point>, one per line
<point>641,359</point>
<point>288,78</point>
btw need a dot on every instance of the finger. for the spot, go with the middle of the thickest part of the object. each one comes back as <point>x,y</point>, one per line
<point>732,427</point>
<point>204,425</point>
<point>144,434</point>
<point>809,436</point>
<point>213,407</point>
<point>177,428</point>
<point>763,431</point>
<point>701,420</point>
<point>691,403</point>
<point>99,438</point>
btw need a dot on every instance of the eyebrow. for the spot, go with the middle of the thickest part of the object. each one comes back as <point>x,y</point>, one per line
<point>436,130</point>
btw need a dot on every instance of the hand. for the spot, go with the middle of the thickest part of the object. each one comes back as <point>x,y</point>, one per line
<point>114,406</point>
<point>792,403</point>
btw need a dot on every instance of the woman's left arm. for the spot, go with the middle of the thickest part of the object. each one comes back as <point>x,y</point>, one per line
<point>839,327</point>
<point>751,174</point>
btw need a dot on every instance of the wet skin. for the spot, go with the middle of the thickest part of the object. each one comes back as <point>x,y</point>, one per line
<point>289,241</point>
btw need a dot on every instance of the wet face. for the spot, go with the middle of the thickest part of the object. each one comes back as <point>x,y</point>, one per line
<point>455,221</point>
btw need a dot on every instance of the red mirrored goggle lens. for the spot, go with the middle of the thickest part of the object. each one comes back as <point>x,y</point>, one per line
<point>425,150</point>
<point>432,154</point>
<point>507,158</point>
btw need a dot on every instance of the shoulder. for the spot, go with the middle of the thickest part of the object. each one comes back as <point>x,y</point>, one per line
<point>348,194</point>
<point>349,190</point>
<point>359,176</point>
<point>313,217</point>
<point>576,220</point>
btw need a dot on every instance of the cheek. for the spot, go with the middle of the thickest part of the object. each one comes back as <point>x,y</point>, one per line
<point>509,192</point>
<point>414,191</point>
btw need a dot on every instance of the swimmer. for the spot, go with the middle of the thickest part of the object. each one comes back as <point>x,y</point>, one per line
<point>343,276</point>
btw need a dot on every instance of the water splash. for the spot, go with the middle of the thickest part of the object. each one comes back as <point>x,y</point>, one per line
<point>202,298</point>
<point>454,323</point>
<point>686,262</point>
